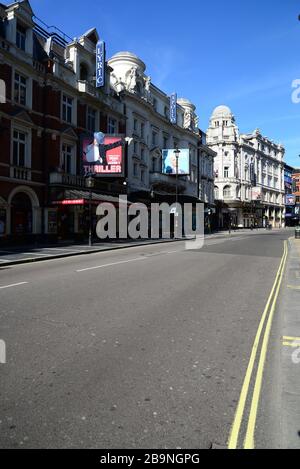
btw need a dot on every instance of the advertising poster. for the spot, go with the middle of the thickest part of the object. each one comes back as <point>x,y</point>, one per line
<point>169,162</point>
<point>290,199</point>
<point>102,155</point>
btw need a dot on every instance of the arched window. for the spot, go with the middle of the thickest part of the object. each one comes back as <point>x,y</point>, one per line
<point>227,192</point>
<point>84,72</point>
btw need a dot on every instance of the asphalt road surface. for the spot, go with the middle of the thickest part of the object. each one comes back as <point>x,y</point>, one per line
<point>141,348</point>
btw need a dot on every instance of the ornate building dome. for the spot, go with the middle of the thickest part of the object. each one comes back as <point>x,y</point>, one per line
<point>222,112</point>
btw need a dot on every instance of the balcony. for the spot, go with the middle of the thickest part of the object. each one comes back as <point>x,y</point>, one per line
<point>86,87</point>
<point>79,182</point>
<point>19,172</point>
<point>66,179</point>
<point>166,182</point>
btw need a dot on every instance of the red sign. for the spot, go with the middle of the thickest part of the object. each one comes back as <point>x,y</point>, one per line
<point>69,202</point>
<point>102,155</point>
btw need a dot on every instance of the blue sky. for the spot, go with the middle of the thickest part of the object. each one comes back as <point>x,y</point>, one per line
<point>244,54</point>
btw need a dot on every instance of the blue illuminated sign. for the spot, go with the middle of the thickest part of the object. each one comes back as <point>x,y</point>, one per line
<point>173,108</point>
<point>100,64</point>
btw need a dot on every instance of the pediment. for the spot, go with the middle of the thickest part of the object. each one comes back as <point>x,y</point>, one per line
<point>69,132</point>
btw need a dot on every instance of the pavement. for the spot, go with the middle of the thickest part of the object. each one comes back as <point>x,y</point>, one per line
<point>285,358</point>
<point>144,347</point>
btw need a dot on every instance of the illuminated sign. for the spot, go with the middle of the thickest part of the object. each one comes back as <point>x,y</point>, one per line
<point>100,64</point>
<point>172,165</point>
<point>102,155</point>
<point>173,108</point>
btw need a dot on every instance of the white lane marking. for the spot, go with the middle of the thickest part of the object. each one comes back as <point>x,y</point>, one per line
<point>63,249</point>
<point>5,260</point>
<point>111,264</point>
<point>13,285</point>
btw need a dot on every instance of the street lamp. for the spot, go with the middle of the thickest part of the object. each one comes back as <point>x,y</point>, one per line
<point>177,154</point>
<point>90,183</point>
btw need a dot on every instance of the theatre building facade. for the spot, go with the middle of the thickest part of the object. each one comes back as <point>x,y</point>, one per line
<point>48,103</point>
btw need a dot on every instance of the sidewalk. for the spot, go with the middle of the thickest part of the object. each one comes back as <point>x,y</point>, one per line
<point>290,349</point>
<point>33,253</point>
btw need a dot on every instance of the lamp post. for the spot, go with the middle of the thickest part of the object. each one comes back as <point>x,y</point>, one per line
<point>90,183</point>
<point>177,154</point>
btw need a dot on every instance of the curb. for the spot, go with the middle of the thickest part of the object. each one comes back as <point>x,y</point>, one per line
<point>75,254</point>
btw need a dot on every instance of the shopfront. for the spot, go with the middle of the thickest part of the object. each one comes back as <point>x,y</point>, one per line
<point>21,215</point>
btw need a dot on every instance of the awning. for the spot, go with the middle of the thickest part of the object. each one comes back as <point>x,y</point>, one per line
<point>75,197</point>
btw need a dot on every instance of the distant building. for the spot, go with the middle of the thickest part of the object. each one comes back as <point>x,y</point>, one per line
<point>296,193</point>
<point>249,174</point>
<point>290,198</point>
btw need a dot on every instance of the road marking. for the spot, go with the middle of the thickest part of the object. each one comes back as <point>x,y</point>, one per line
<point>112,264</point>
<point>293,287</point>
<point>249,439</point>
<point>290,338</point>
<point>13,285</point>
<point>291,341</point>
<point>235,430</point>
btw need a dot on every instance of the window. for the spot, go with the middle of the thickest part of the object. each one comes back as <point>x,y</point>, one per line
<point>143,175</point>
<point>135,147</point>
<point>135,124</point>
<point>83,72</point>
<point>154,138</point>
<point>19,148</point>
<point>155,104</point>
<point>67,158</point>
<point>142,130</point>
<point>165,143</point>
<point>216,192</point>
<point>112,126</point>
<point>67,107</point>
<point>21,37</point>
<point>143,154</point>
<point>153,165</point>
<point>91,119</point>
<point>227,192</point>
<point>135,169</point>
<point>226,171</point>
<point>20,89</point>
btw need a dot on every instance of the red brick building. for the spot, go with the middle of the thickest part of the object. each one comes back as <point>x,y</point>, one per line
<point>50,102</point>
<point>296,184</point>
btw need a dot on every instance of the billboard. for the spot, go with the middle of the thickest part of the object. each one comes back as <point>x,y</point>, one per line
<point>173,108</point>
<point>290,199</point>
<point>100,64</point>
<point>169,162</point>
<point>102,155</point>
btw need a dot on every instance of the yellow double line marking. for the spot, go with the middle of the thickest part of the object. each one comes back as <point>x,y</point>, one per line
<point>291,341</point>
<point>267,318</point>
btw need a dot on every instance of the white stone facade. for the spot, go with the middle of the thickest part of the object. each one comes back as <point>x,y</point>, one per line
<point>249,173</point>
<point>147,110</point>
